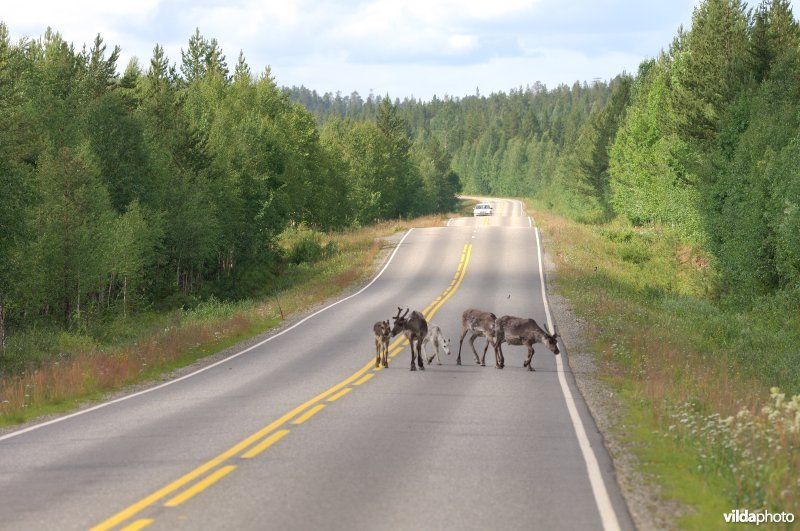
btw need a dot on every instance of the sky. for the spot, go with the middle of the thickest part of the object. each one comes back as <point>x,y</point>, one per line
<point>403,48</point>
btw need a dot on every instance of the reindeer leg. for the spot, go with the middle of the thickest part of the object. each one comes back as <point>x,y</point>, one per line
<point>483,359</point>
<point>411,345</point>
<point>419,356</point>
<point>498,358</point>
<point>529,363</point>
<point>499,354</point>
<point>472,344</point>
<point>425,350</point>
<point>458,359</point>
<point>385,361</point>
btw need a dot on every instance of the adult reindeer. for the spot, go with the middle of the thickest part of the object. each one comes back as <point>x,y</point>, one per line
<point>521,331</point>
<point>415,328</point>
<point>479,323</point>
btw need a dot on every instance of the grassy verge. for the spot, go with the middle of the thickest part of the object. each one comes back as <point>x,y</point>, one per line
<point>72,368</point>
<point>703,381</point>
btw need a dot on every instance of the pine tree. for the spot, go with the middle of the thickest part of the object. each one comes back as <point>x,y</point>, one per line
<point>712,69</point>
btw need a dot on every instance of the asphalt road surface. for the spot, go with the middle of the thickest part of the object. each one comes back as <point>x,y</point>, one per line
<point>301,432</point>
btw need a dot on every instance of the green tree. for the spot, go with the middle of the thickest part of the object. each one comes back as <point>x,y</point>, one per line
<point>72,224</point>
<point>711,70</point>
<point>589,162</point>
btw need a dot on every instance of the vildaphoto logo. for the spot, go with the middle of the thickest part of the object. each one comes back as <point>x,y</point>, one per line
<point>744,516</point>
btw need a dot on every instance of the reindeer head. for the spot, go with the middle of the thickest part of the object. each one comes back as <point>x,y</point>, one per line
<point>551,340</point>
<point>399,321</point>
<point>446,345</point>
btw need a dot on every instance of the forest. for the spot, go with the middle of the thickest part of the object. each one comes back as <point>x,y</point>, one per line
<point>164,184</point>
<point>702,139</point>
<point>167,184</point>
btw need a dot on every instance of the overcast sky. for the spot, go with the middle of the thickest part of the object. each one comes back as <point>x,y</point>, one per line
<point>404,48</point>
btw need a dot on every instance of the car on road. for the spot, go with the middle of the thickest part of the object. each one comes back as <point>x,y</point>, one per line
<point>482,209</point>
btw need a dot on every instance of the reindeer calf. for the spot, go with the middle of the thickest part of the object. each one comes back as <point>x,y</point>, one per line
<point>382,332</point>
<point>439,342</point>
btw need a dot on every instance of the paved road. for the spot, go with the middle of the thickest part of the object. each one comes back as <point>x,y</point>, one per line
<point>301,432</point>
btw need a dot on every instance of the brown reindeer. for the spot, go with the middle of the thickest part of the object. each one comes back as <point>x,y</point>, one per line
<point>415,328</point>
<point>479,323</point>
<point>382,332</point>
<point>521,331</point>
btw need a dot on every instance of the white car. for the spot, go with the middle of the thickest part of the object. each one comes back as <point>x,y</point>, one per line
<point>482,209</point>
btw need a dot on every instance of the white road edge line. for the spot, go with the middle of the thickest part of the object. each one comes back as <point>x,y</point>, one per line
<point>607,514</point>
<point>220,362</point>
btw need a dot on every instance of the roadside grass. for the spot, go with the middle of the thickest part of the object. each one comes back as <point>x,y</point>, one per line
<point>60,370</point>
<point>706,382</point>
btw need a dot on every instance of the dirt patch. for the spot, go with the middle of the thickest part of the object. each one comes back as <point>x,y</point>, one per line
<point>648,511</point>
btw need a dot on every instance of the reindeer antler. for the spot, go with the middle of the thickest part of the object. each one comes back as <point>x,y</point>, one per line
<point>396,317</point>
<point>405,313</point>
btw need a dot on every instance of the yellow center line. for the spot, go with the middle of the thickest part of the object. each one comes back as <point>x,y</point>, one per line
<point>313,411</point>
<point>200,486</point>
<point>435,309</point>
<point>138,524</point>
<point>266,443</point>
<point>364,378</point>
<point>340,394</point>
<point>165,491</point>
<point>399,348</point>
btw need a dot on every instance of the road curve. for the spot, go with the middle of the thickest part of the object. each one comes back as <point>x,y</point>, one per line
<point>300,432</point>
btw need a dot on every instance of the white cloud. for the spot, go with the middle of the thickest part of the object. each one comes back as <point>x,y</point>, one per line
<point>395,31</point>
<point>549,66</point>
<point>248,20</point>
<point>420,47</point>
<point>461,43</point>
<point>78,17</point>
<point>32,12</point>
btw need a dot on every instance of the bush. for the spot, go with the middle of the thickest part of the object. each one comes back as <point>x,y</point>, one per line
<point>307,249</point>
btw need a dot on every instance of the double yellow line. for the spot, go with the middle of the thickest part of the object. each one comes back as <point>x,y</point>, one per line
<point>270,434</point>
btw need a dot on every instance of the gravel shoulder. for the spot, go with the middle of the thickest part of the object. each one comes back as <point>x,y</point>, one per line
<point>641,493</point>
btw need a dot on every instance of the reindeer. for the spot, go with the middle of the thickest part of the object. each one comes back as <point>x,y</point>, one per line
<point>479,323</point>
<point>439,342</point>
<point>415,328</point>
<point>382,332</point>
<point>521,331</point>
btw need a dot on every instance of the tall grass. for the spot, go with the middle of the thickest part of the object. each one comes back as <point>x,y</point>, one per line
<point>713,374</point>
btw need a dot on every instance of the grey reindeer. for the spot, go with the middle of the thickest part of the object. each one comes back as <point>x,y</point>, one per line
<point>415,328</point>
<point>522,331</point>
<point>478,323</point>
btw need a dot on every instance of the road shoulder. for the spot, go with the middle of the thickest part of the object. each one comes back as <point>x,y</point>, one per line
<point>648,511</point>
